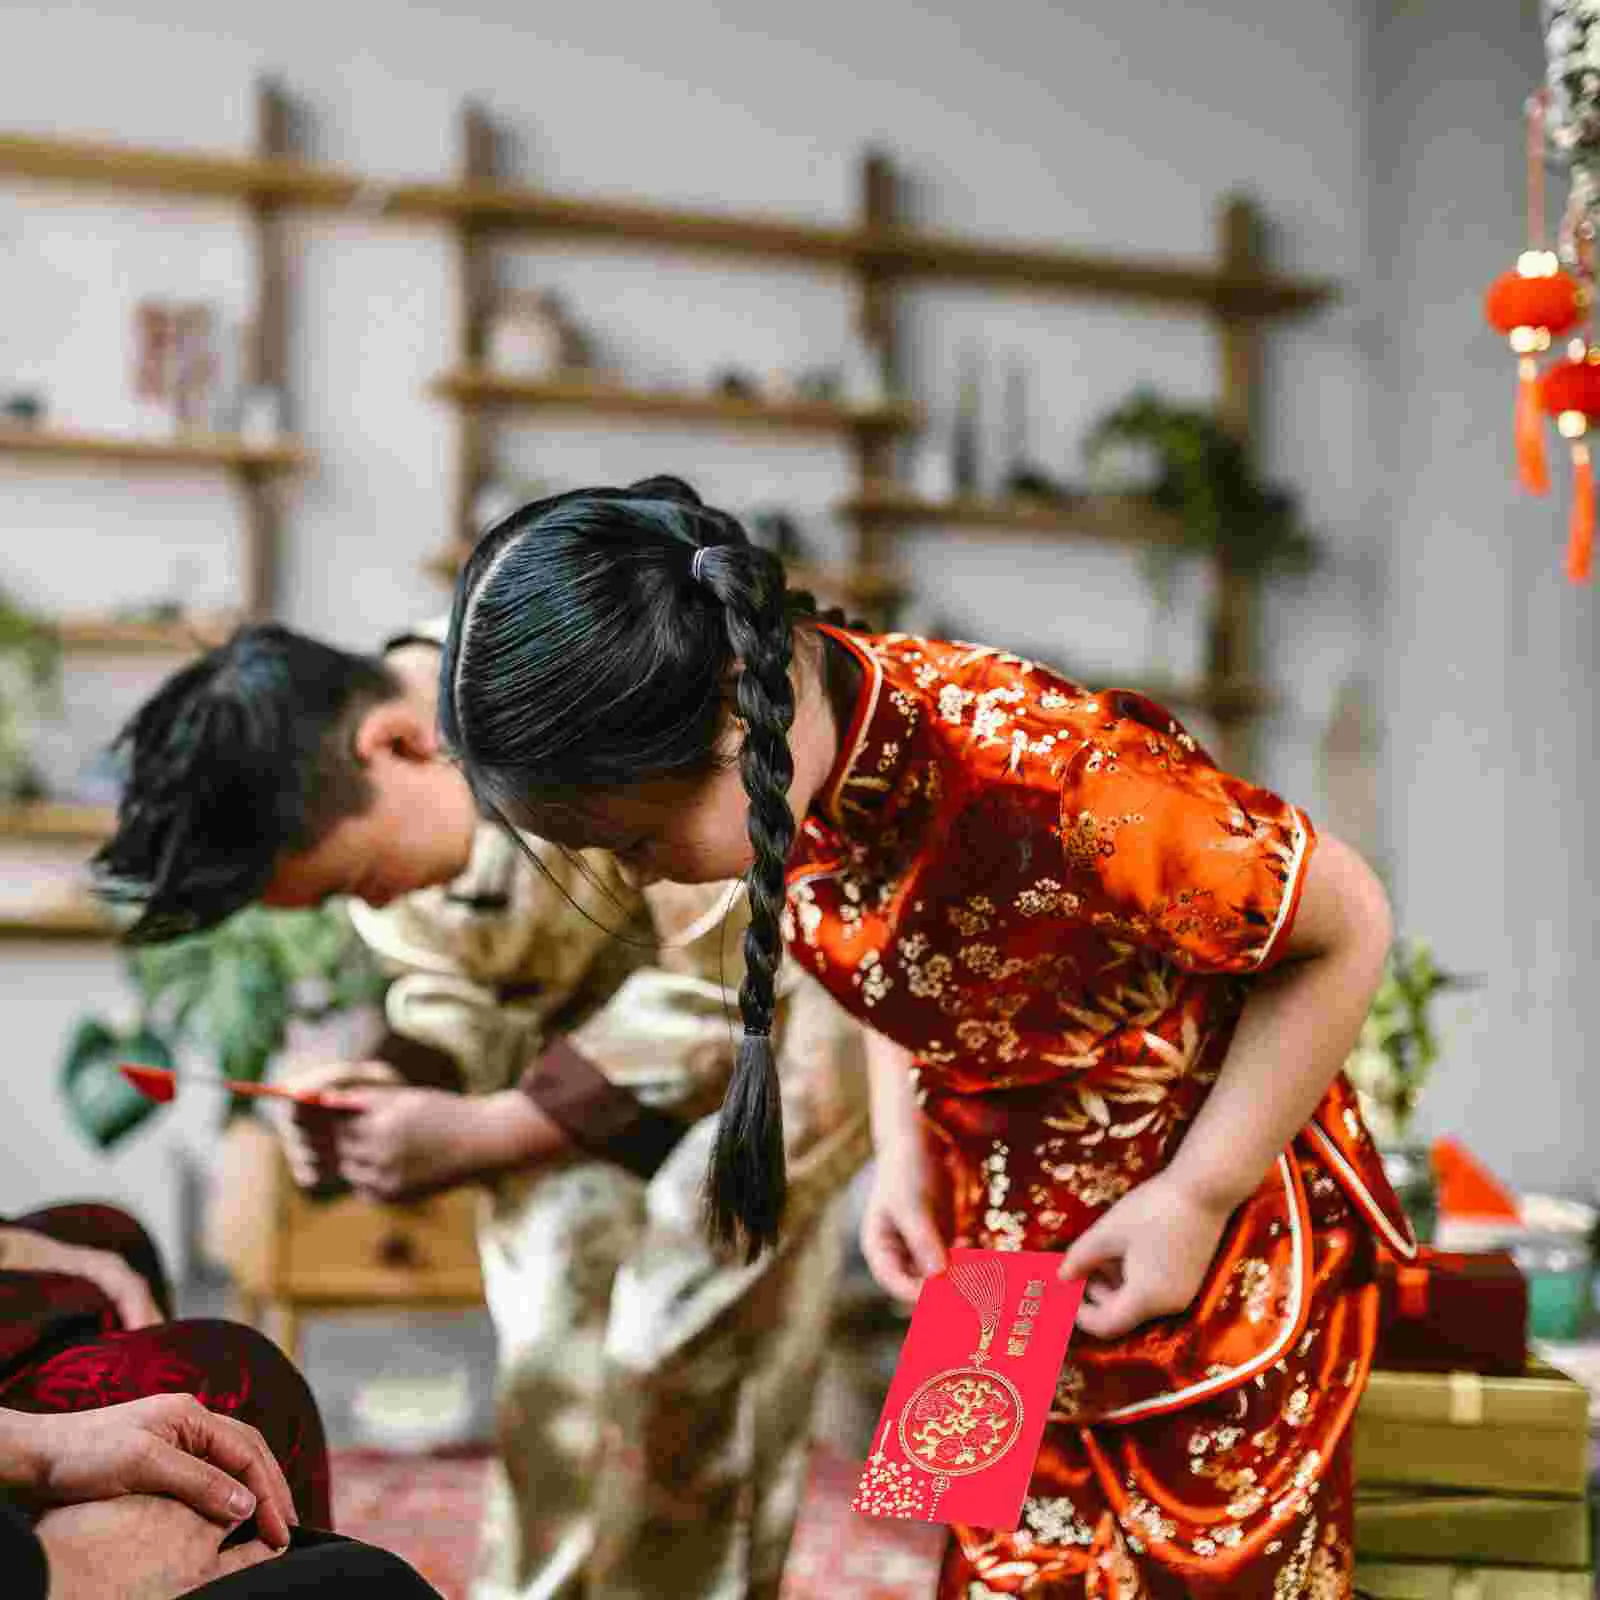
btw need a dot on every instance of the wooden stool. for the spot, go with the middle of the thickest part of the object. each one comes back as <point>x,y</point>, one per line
<point>290,1255</point>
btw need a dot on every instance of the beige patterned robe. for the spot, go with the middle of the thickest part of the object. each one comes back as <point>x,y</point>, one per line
<point>654,1398</point>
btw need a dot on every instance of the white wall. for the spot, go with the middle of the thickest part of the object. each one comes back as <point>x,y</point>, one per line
<point>1117,131</point>
<point>1492,658</point>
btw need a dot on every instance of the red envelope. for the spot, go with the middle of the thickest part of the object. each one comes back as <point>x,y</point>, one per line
<point>961,1429</point>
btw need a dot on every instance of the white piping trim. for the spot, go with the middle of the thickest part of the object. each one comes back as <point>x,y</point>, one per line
<point>876,685</point>
<point>1400,1244</point>
<point>1241,1374</point>
<point>1302,838</point>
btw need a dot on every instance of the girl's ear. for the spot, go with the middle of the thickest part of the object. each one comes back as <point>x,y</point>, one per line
<point>397,728</point>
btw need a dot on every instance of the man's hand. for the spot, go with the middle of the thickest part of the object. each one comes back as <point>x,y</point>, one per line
<point>308,1133</point>
<point>165,1444</point>
<point>1146,1257</point>
<point>397,1143</point>
<point>24,1250</point>
<point>138,1547</point>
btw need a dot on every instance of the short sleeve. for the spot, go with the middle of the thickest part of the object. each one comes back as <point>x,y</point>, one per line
<point>1169,852</point>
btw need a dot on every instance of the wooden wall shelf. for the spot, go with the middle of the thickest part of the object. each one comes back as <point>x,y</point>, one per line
<point>579,393</point>
<point>198,450</point>
<point>48,820</point>
<point>1122,519</point>
<point>117,635</point>
<point>85,923</point>
<point>882,250</point>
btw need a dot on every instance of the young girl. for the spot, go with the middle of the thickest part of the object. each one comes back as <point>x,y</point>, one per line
<point>1122,981</point>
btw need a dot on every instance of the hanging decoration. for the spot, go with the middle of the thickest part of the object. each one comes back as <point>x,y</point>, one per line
<point>1570,392</point>
<point>1530,306</point>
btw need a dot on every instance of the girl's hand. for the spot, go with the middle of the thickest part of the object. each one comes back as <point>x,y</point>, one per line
<point>1146,1257</point>
<point>165,1444</point>
<point>23,1250</point>
<point>138,1547</point>
<point>898,1236</point>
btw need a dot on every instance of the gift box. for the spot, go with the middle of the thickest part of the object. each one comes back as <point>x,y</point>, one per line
<point>1430,1525</point>
<point>1461,1430</point>
<point>1407,1580</point>
<point>1450,1312</point>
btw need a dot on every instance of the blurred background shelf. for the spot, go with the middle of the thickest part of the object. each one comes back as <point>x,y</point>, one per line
<point>199,450</point>
<point>91,635</point>
<point>66,922</point>
<point>46,819</point>
<point>578,392</point>
<point>1121,519</point>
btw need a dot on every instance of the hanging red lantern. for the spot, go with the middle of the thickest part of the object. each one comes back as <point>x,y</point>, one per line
<point>1530,306</point>
<point>1570,392</point>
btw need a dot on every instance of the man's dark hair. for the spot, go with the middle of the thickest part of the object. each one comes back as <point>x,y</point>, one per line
<point>242,756</point>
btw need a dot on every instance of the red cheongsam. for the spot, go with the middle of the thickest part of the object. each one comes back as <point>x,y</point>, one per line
<point>1054,900</point>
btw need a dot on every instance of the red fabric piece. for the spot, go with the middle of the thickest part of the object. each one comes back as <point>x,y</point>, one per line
<point>1466,1188</point>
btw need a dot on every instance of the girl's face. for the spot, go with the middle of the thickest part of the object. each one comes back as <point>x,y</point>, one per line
<point>695,830</point>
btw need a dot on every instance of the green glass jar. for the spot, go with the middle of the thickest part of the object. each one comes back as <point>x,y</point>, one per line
<point>1559,1268</point>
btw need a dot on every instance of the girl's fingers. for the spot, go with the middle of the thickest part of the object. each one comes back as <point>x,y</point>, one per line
<point>888,1258</point>
<point>1099,1247</point>
<point>922,1239</point>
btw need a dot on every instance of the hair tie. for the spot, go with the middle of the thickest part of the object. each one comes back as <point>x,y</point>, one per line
<point>696,564</point>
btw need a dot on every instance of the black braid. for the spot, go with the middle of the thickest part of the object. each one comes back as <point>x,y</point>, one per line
<point>747,1180</point>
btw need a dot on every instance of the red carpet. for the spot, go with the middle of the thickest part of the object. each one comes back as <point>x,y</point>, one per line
<point>427,1509</point>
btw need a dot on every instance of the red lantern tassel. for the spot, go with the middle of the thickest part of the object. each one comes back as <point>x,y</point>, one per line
<point>1580,541</point>
<point>1531,468</point>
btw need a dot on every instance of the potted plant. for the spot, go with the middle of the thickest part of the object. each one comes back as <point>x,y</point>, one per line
<point>1191,466</point>
<point>1393,1058</point>
<point>232,994</point>
<point>30,660</point>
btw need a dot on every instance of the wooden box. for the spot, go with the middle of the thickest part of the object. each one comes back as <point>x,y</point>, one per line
<point>1526,1435</point>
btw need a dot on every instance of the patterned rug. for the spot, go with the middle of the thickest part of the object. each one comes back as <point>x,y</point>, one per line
<point>424,1507</point>
<point>427,1509</point>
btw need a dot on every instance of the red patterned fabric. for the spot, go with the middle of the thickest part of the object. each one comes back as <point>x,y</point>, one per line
<point>41,1312</point>
<point>1052,898</point>
<point>231,1369</point>
<point>61,1349</point>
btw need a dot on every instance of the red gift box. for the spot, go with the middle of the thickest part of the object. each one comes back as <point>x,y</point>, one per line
<point>1453,1312</point>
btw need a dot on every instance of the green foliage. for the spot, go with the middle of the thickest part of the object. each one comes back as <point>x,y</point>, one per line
<point>1204,479</point>
<point>235,990</point>
<point>30,669</point>
<point>1398,1046</point>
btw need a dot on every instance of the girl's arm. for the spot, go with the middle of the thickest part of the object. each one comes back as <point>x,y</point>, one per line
<point>1297,1030</point>
<point>899,1237</point>
<point>1150,1251</point>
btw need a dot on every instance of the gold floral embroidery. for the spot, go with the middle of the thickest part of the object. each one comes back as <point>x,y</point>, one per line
<point>1006,1226</point>
<point>1144,1519</point>
<point>871,979</point>
<point>1257,1290</point>
<point>953,701</point>
<point>976,916</point>
<point>984,960</point>
<point>1046,898</point>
